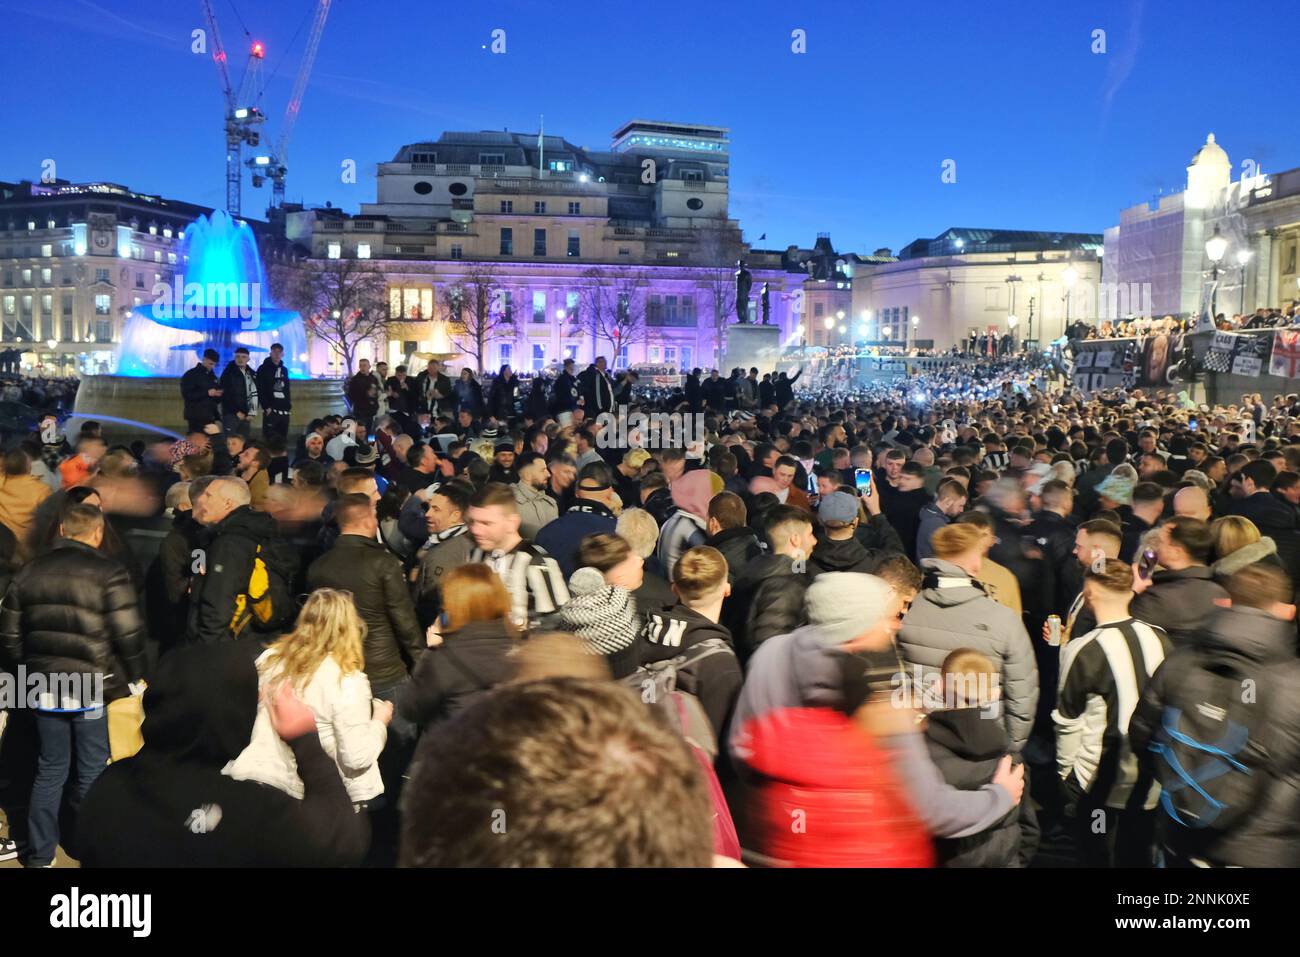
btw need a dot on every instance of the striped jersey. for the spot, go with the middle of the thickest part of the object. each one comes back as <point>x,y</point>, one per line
<point>1102,676</point>
<point>531,576</point>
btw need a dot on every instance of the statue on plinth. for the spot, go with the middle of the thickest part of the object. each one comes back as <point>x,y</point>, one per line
<point>744,283</point>
<point>767,307</point>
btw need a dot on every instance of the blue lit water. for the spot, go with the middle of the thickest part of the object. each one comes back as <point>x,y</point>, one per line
<point>222,301</point>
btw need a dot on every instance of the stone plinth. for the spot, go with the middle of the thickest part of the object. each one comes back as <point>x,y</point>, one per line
<point>157,402</point>
<point>751,346</point>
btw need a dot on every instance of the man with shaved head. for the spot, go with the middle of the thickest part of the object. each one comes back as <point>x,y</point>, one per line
<point>1193,503</point>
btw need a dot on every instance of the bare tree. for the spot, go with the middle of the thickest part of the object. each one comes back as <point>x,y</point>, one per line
<point>342,301</point>
<point>718,248</point>
<point>611,306</point>
<point>474,312</point>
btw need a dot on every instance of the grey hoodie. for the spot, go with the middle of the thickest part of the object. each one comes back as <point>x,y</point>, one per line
<point>800,670</point>
<point>953,612</point>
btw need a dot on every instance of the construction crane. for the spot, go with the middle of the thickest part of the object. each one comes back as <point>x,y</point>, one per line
<point>242,114</point>
<point>273,165</point>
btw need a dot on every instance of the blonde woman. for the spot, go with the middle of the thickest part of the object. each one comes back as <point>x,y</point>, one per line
<point>1238,543</point>
<point>321,660</point>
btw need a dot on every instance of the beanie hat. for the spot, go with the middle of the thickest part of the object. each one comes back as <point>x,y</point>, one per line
<point>602,616</point>
<point>1117,488</point>
<point>838,507</point>
<point>845,604</point>
<point>1200,478</point>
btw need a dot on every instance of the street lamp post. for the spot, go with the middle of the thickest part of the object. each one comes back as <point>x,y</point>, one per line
<point>1069,277</point>
<point>916,321</point>
<point>1215,247</point>
<point>1243,257</point>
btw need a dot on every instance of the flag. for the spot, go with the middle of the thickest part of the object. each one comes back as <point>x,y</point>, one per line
<point>1286,355</point>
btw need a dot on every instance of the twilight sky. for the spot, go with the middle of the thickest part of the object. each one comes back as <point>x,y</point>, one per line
<point>849,137</point>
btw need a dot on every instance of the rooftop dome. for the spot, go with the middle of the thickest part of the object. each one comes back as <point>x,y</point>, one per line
<point>1211,153</point>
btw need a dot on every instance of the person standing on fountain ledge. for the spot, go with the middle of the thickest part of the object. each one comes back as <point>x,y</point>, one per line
<point>238,395</point>
<point>273,393</point>
<point>202,392</point>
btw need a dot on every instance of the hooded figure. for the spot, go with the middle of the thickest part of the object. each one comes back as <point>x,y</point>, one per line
<point>170,805</point>
<point>688,526</point>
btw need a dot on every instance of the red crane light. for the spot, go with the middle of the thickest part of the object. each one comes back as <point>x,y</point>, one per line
<point>258,50</point>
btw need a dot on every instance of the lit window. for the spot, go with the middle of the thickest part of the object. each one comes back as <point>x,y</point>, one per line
<point>103,305</point>
<point>363,250</point>
<point>47,250</point>
<point>334,251</point>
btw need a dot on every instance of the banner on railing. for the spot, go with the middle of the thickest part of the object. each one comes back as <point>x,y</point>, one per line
<point>1149,362</point>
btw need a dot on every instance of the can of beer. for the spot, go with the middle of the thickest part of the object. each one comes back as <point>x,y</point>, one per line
<point>1054,630</point>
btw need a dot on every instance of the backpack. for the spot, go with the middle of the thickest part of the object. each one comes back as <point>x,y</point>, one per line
<point>1209,749</point>
<point>268,604</point>
<point>674,691</point>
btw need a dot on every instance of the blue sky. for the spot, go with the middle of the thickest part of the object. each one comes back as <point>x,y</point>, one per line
<point>848,138</point>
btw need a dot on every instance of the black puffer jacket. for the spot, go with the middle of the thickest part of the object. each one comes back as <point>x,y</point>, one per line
<point>966,748</point>
<point>373,574</point>
<point>1259,646</point>
<point>74,609</point>
<point>766,600</point>
<point>474,659</point>
<point>738,546</point>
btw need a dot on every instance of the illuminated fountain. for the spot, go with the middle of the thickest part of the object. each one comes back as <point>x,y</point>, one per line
<point>218,300</point>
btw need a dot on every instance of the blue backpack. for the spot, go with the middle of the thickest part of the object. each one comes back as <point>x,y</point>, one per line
<point>1210,756</point>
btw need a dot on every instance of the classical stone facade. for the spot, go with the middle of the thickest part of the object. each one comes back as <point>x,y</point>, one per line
<point>560,234</point>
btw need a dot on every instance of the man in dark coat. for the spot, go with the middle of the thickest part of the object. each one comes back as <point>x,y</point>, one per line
<point>274,394</point>
<point>202,392</point>
<point>235,534</point>
<point>434,390</point>
<point>565,392</point>
<point>238,395</point>
<point>363,394</point>
<point>596,389</point>
<point>72,613</point>
<point>358,562</point>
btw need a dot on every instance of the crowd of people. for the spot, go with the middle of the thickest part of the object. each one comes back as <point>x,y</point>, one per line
<point>1134,326</point>
<point>969,620</point>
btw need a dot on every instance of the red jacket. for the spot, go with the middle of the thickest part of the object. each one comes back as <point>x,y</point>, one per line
<point>829,796</point>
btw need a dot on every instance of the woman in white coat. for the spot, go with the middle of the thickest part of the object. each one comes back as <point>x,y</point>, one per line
<point>322,661</point>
